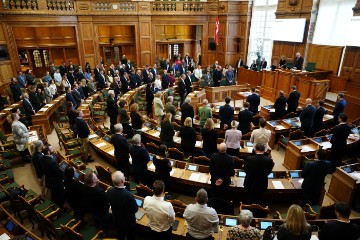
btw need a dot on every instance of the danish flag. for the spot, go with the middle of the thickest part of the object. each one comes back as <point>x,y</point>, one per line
<point>217,30</point>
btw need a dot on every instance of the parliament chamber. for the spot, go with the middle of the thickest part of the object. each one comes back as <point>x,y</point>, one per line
<point>59,58</point>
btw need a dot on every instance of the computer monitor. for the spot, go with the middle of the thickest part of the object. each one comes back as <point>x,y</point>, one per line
<point>76,175</point>
<point>147,124</point>
<point>159,129</point>
<point>249,144</point>
<point>271,175</point>
<point>274,123</point>
<point>10,225</point>
<point>107,138</point>
<point>265,224</point>
<point>139,202</point>
<point>98,132</point>
<point>241,174</point>
<point>217,107</point>
<point>294,174</point>
<point>267,106</point>
<point>347,169</point>
<point>192,167</point>
<point>317,139</point>
<point>63,165</point>
<point>287,121</point>
<point>230,222</point>
<point>355,130</point>
<point>151,157</point>
<point>297,143</point>
<point>329,136</point>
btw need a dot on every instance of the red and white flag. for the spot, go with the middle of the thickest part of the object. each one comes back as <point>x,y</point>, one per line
<point>217,30</point>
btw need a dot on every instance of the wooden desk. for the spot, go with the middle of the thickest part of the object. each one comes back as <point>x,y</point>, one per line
<point>277,127</point>
<point>218,94</point>
<point>242,96</point>
<point>267,112</point>
<point>250,77</point>
<point>343,185</point>
<point>294,153</point>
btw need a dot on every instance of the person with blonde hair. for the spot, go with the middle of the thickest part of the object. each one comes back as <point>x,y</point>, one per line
<point>244,230</point>
<point>209,137</point>
<point>188,137</point>
<point>20,135</point>
<point>158,107</point>
<point>167,131</point>
<point>295,226</point>
<point>232,140</point>
<point>136,120</point>
<point>169,107</point>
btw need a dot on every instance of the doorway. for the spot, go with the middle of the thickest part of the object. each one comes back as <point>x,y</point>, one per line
<point>38,60</point>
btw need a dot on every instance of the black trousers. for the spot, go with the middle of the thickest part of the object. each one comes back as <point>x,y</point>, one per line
<point>189,237</point>
<point>233,152</point>
<point>113,121</point>
<point>128,232</point>
<point>162,235</point>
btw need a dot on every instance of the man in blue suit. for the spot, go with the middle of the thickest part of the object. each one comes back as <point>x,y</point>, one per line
<point>254,101</point>
<point>339,107</point>
<point>307,117</point>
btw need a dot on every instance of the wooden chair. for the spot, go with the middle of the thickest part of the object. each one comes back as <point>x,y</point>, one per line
<point>180,164</point>
<point>327,212</point>
<point>238,163</point>
<point>246,136</point>
<point>85,233</point>
<point>144,191</point>
<point>309,212</point>
<point>204,169</point>
<point>321,133</point>
<point>152,148</point>
<point>179,206</point>
<point>256,119</point>
<point>176,154</point>
<point>202,160</point>
<point>104,174</point>
<point>257,210</point>
<point>293,135</point>
<point>176,126</point>
<point>290,115</point>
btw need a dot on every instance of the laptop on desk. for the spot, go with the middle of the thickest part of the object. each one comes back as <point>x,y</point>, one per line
<point>140,213</point>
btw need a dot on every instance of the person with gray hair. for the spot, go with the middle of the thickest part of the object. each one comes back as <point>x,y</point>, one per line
<point>201,219</point>
<point>221,169</point>
<point>121,150</point>
<point>140,158</point>
<point>244,230</point>
<point>123,206</point>
<point>204,113</point>
<point>112,110</point>
<point>187,110</point>
<point>307,117</point>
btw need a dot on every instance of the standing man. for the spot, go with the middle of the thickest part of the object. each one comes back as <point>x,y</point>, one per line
<point>318,118</point>
<point>339,141</point>
<point>100,80</point>
<point>83,134</point>
<point>221,169</point>
<point>293,100</point>
<point>245,118</point>
<point>204,113</point>
<point>188,82</point>
<point>187,110</point>
<point>254,100</point>
<point>263,64</point>
<point>280,106</point>
<point>298,61</point>
<point>124,83</point>
<point>21,79</point>
<point>217,76</point>
<point>63,69</point>
<point>198,73</point>
<point>121,150</point>
<point>15,89</point>
<point>239,64</point>
<point>112,110</point>
<point>229,76</point>
<point>307,117</point>
<point>76,95</point>
<point>165,80</point>
<point>226,114</point>
<point>28,107</point>
<point>201,219</point>
<point>35,102</point>
<point>123,206</point>
<point>339,107</point>
<point>257,169</point>
<point>182,89</point>
<point>160,213</point>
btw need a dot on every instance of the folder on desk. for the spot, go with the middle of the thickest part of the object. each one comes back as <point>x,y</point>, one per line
<point>306,148</point>
<point>272,110</point>
<point>152,167</point>
<point>194,177</point>
<point>99,145</point>
<point>278,185</point>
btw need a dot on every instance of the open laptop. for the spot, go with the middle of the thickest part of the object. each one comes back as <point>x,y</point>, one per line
<point>192,167</point>
<point>9,225</point>
<point>230,221</point>
<point>265,224</point>
<point>140,213</point>
<point>295,174</point>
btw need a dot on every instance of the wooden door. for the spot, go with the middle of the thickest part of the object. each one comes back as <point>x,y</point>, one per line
<point>111,54</point>
<point>162,50</point>
<point>41,61</point>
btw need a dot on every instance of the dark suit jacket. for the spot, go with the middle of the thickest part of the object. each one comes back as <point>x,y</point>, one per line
<point>96,202</point>
<point>254,101</point>
<point>165,81</point>
<point>244,118</point>
<point>339,108</point>
<point>182,70</point>
<point>140,158</point>
<point>217,77</point>
<point>340,134</point>
<point>263,64</point>
<point>139,81</point>
<point>80,76</point>
<point>16,91</point>
<point>76,96</point>
<point>293,101</point>
<point>123,206</point>
<point>307,116</point>
<point>35,102</point>
<point>257,169</point>
<point>124,84</point>
<point>63,70</point>
<point>280,105</point>
<point>70,97</point>
<point>101,81</point>
<point>146,76</point>
<point>182,88</point>
<point>29,110</point>
<point>136,120</point>
<point>154,72</point>
<point>226,114</point>
<point>188,84</point>
<point>221,166</point>
<point>71,78</point>
<point>186,111</point>
<point>314,174</point>
<point>74,195</point>
<point>188,138</point>
<point>53,174</point>
<point>36,160</point>
<point>339,230</point>
<point>82,127</point>
<point>111,108</point>
<point>121,147</point>
<point>318,119</point>
<point>133,81</point>
<point>298,63</point>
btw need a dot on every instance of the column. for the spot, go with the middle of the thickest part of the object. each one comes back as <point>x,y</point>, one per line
<point>312,25</point>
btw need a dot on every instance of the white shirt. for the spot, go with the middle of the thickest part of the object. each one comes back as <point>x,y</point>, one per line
<point>160,213</point>
<point>201,220</point>
<point>57,77</point>
<point>260,135</point>
<point>53,89</point>
<point>198,73</point>
<point>157,84</point>
<point>232,138</point>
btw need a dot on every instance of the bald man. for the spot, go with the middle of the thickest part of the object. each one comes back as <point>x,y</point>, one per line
<point>298,61</point>
<point>221,170</point>
<point>123,206</point>
<point>307,117</point>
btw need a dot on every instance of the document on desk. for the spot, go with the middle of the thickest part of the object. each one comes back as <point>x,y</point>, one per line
<point>198,144</point>
<point>240,182</point>
<point>307,149</point>
<point>93,136</point>
<point>152,167</point>
<point>144,129</point>
<point>172,172</point>
<point>155,134</point>
<point>111,152</point>
<point>194,177</point>
<point>203,177</point>
<point>99,145</point>
<point>278,185</point>
<point>272,110</point>
<point>49,105</point>
<point>279,127</point>
<point>355,175</point>
<point>4,236</point>
<point>249,149</point>
<point>42,109</point>
<point>325,145</point>
<point>177,139</point>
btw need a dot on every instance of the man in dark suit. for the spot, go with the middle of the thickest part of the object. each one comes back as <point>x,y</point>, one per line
<point>133,80</point>
<point>35,102</point>
<point>182,89</point>
<point>318,118</point>
<point>63,69</point>
<point>70,97</point>
<point>123,206</point>
<point>97,202</point>
<point>188,82</point>
<point>226,114</point>
<point>154,70</point>
<point>187,59</point>
<point>112,110</point>
<point>165,80</point>
<point>53,176</point>
<point>80,75</point>
<point>280,106</point>
<point>83,134</point>
<point>128,67</point>
<point>293,100</point>
<point>221,169</point>
<point>28,107</point>
<point>124,83</point>
<point>307,117</point>
<point>217,76</point>
<point>339,141</point>
<point>15,89</point>
<point>182,69</point>
<point>342,228</point>
<point>100,80</point>
<point>253,66</point>
<point>339,107</point>
<point>96,70</point>
<point>187,110</point>
<point>314,174</point>
<point>76,94</point>
<point>123,60</point>
<point>263,64</point>
<point>71,77</point>
<point>121,150</point>
<point>139,81</point>
<point>146,74</point>
<point>254,100</point>
<point>257,169</point>
<point>298,61</point>
<point>244,118</point>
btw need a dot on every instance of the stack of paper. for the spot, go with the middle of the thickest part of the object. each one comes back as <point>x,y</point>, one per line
<point>198,144</point>
<point>272,110</point>
<point>203,178</point>
<point>307,148</point>
<point>177,139</point>
<point>144,129</point>
<point>111,152</point>
<point>355,175</point>
<point>49,105</point>
<point>152,167</point>
<point>278,185</point>
<point>194,177</point>
<point>99,145</point>
<point>325,145</point>
<point>42,109</point>
<point>156,134</point>
<point>240,182</point>
<point>93,136</point>
<point>172,172</point>
<point>249,149</point>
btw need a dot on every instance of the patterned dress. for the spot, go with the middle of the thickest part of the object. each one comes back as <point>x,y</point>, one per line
<point>235,233</point>
<point>20,134</point>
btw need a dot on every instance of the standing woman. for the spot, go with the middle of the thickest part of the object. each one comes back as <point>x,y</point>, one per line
<point>295,226</point>
<point>209,136</point>
<point>188,137</point>
<point>136,120</point>
<point>172,79</point>
<point>109,77</point>
<point>232,140</point>
<point>149,99</point>
<point>124,119</point>
<point>47,92</point>
<point>162,165</point>
<point>167,131</point>
<point>53,89</point>
<point>158,107</point>
<point>21,136</point>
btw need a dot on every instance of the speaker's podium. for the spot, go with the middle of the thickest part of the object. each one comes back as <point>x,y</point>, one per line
<point>295,151</point>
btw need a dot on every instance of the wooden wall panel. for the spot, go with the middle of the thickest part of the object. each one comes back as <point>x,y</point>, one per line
<point>71,55</point>
<point>87,46</point>
<point>288,49</point>
<point>351,65</point>
<point>178,32</point>
<point>294,9</point>
<point>57,55</point>
<point>325,57</point>
<point>6,71</point>
<point>145,41</point>
<point>119,34</point>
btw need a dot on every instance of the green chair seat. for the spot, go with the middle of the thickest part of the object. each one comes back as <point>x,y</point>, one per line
<point>10,154</point>
<point>40,207</point>
<point>87,170</point>
<point>63,219</point>
<point>6,173</point>
<point>64,119</point>
<point>88,232</point>
<point>7,186</point>
<point>6,163</point>
<point>99,113</point>
<point>284,140</point>
<point>176,98</point>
